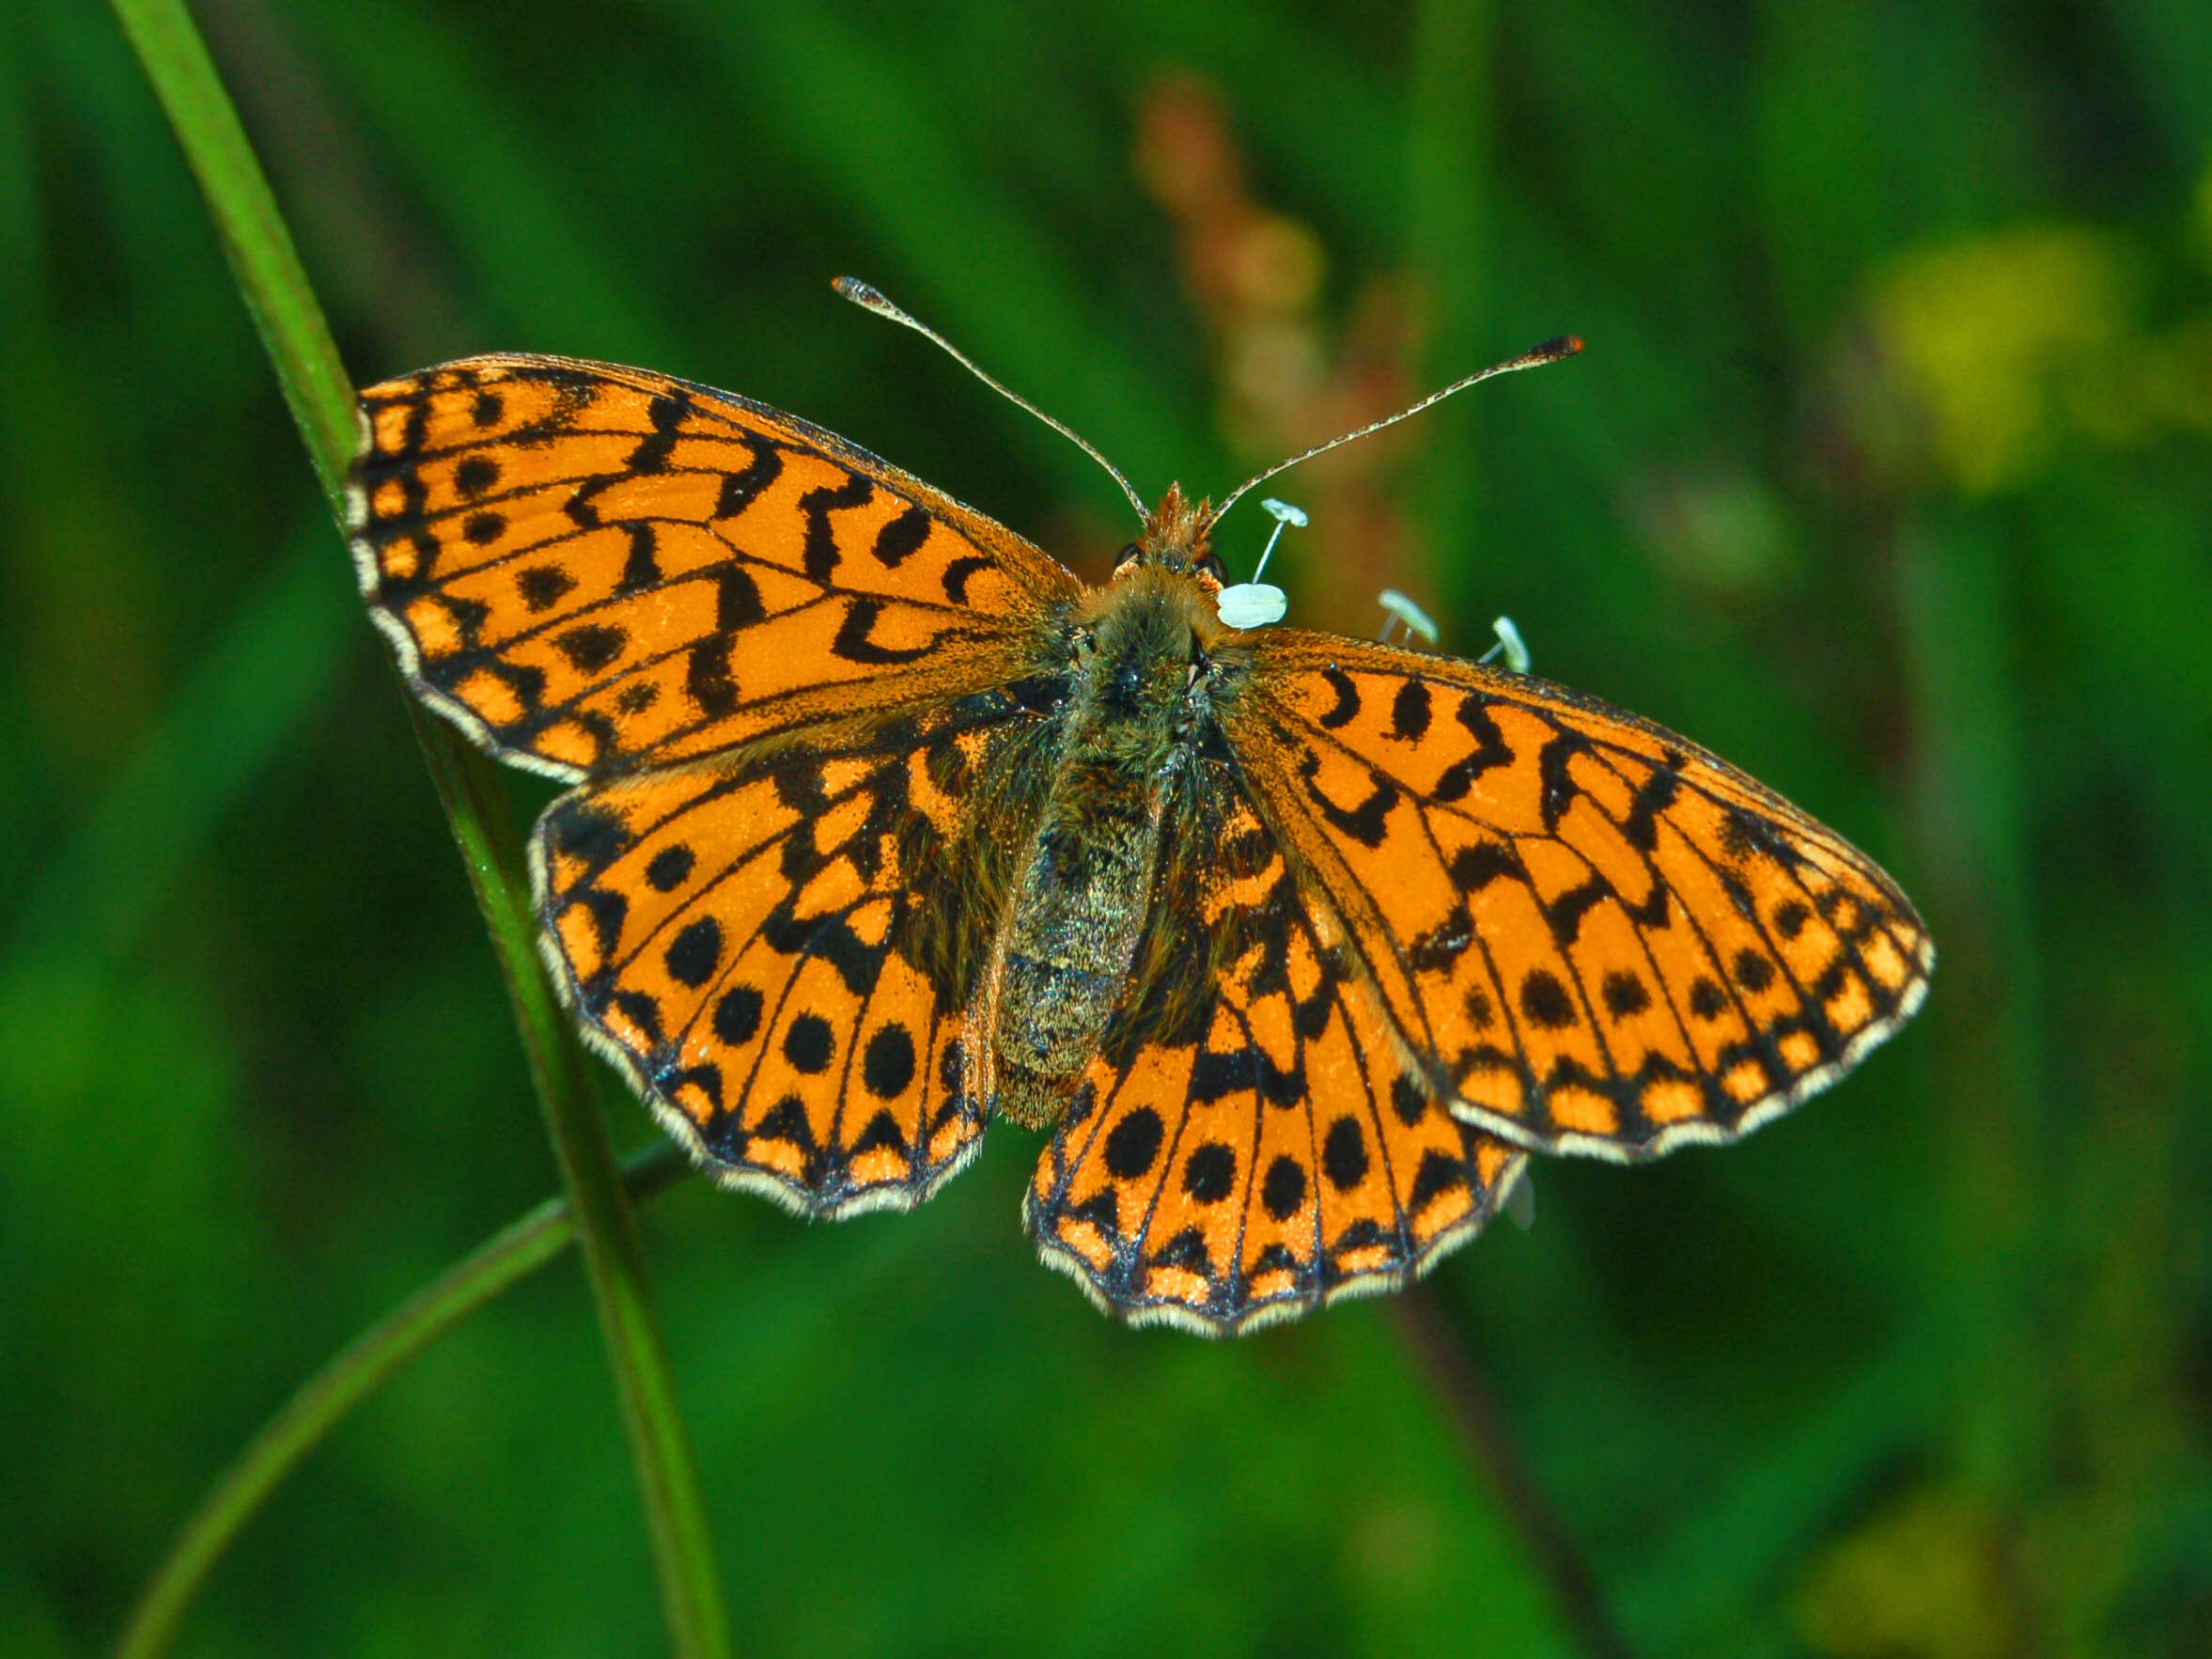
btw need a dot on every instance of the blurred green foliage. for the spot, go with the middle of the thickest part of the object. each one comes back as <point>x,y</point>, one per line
<point>1888,474</point>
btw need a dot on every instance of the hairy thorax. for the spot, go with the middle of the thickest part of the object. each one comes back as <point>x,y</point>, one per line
<point>1141,693</point>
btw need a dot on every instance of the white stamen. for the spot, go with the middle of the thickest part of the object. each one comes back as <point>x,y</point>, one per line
<point>1509,646</point>
<point>1404,610</point>
<point>1257,604</point>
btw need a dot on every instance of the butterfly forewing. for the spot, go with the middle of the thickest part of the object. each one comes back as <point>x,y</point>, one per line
<point>594,568</point>
<point>1249,1145</point>
<point>1597,937</point>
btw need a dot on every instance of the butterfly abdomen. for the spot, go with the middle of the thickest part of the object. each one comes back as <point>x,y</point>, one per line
<point>1085,888</point>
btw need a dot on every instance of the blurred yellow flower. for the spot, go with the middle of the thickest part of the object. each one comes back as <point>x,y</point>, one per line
<point>1924,1577</point>
<point>2019,342</point>
<point>1996,336</point>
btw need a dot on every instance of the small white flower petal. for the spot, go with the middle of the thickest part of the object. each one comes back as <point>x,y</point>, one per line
<point>1253,605</point>
<point>1405,610</point>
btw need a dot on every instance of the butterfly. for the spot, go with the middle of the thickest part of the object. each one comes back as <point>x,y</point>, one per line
<point>881,824</point>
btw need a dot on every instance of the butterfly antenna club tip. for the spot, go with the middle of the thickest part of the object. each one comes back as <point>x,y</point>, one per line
<point>866,295</point>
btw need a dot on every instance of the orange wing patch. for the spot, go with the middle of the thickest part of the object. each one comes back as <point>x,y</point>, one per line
<point>1249,1147</point>
<point>593,569</point>
<point>1597,937</point>
<point>777,954</point>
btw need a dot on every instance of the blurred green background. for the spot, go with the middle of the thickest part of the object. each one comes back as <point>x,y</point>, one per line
<point>1888,474</point>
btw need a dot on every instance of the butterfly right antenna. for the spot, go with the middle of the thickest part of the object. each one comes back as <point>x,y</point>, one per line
<point>1549,352</point>
<point>870,299</point>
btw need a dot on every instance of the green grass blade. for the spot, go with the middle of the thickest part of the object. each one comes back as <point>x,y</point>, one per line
<point>290,322</point>
<point>366,1364</point>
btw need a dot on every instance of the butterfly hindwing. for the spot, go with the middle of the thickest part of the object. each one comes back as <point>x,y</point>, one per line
<point>593,569</point>
<point>1248,1145</point>
<point>1597,937</point>
<point>778,952</point>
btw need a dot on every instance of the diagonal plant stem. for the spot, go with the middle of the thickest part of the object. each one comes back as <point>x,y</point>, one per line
<point>357,1371</point>
<point>275,288</point>
<point>1440,1352</point>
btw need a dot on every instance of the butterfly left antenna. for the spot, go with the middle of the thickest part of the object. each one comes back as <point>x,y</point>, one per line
<point>871,298</point>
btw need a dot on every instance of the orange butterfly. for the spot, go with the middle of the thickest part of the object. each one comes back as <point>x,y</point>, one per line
<point>883,823</point>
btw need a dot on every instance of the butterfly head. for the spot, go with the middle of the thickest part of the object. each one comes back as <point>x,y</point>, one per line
<point>1177,538</point>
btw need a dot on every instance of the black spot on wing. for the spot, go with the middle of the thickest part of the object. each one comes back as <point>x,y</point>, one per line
<point>898,539</point>
<point>542,586</point>
<point>737,1015</point>
<point>574,828</point>
<point>640,1010</point>
<point>1408,1100</point>
<point>957,574</point>
<point>1558,788</point>
<point>1133,1144</point>
<point>1344,1154</point>
<point>668,869</point>
<point>1409,712</point>
<point>740,489</point>
<point>887,1064</point>
<point>853,644</point>
<point>736,599</point>
<point>1185,1250</point>
<point>1246,1071</point>
<point>882,1132</point>
<point>1567,912</point>
<point>592,646</point>
<point>820,556</point>
<point>476,475</point>
<point>1284,1191</point>
<point>1475,866</point>
<point>1490,749</point>
<point>706,678</point>
<point>809,1043</point>
<point>1346,707</point>
<point>1436,1176</point>
<point>1746,834</point>
<point>1435,949</point>
<point>787,1120</point>
<point>1545,1001</point>
<point>641,567</point>
<point>1364,823</point>
<point>1209,1174</point>
<point>1653,795</point>
<point>664,414</point>
<point>1754,972</point>
<point>1625,994</point>
<point>692,955</point>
